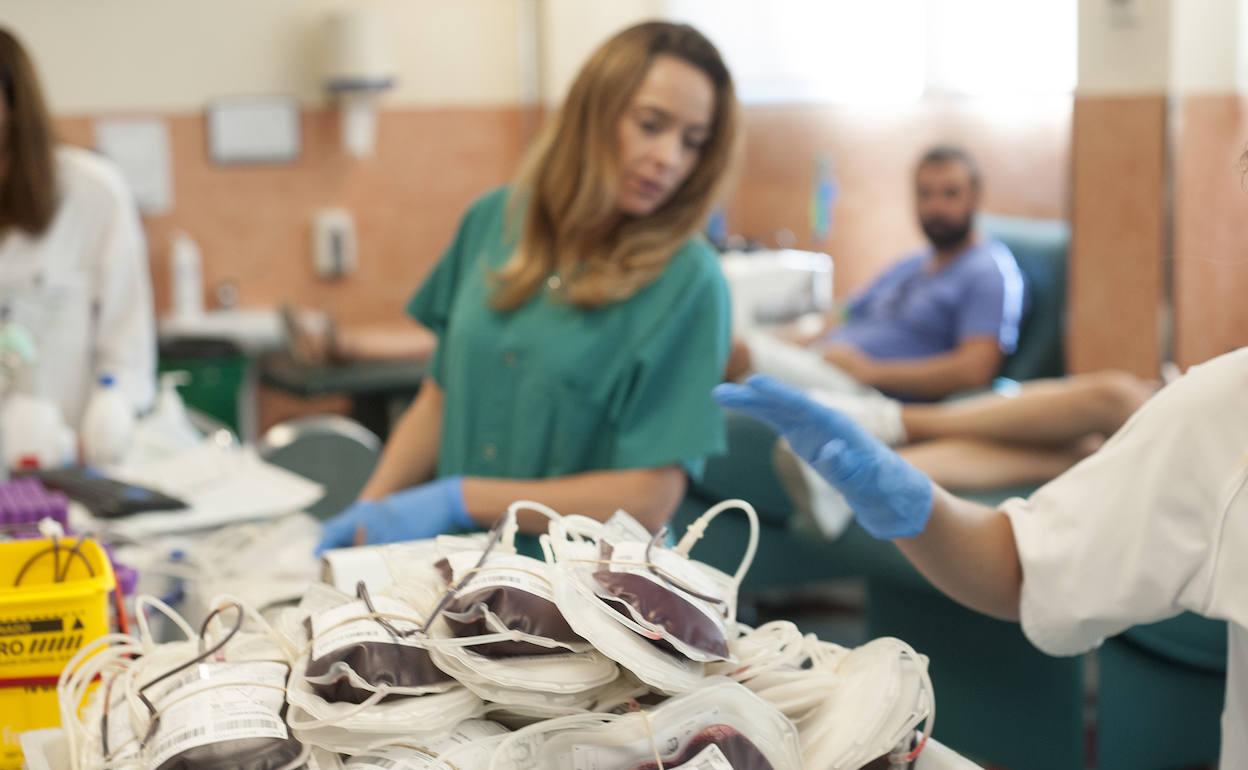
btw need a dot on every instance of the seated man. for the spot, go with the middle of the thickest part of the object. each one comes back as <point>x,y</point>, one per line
<point>937,322</point>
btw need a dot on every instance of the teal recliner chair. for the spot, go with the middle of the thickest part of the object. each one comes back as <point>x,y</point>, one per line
<point>1001,700</point>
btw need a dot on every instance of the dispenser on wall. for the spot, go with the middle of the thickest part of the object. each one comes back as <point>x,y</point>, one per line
<point>359,70</point>
<point>333,243</point>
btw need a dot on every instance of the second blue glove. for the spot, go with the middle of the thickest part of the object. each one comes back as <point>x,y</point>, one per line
<point>421,512</point>
<point>890,497</point>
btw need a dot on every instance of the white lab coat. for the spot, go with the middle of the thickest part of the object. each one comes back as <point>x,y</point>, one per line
<point>83,289</point>
<point>1153,524</point>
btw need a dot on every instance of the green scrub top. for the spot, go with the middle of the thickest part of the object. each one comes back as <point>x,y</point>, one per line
<point>550,389</point>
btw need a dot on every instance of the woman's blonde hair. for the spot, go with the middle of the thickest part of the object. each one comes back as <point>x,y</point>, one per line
<point>563,203</point>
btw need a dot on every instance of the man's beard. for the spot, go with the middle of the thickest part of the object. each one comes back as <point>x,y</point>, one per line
<point>945,234</point>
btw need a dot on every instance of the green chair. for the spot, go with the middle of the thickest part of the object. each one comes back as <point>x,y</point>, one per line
<point>1040,248</point>
<point>1161,692</point>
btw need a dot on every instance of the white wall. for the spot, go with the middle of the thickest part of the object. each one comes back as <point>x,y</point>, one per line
<point>1173,47</point>
<point>1241,59</point>
<point>170,55</point>
<point>1124,48</point>
<point>1209,46</point>
<point>101,56</point>
<point>571,29</point>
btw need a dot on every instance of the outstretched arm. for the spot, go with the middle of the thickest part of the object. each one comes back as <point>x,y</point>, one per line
<point>965,549</point>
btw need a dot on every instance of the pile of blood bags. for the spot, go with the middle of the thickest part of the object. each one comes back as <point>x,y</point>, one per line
<point>615,651</point>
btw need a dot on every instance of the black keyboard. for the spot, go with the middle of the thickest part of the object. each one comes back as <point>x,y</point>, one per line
<point>105,497</point>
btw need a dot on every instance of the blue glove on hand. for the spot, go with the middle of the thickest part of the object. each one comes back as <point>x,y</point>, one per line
<point>421,512</point>
<point>889,496</point>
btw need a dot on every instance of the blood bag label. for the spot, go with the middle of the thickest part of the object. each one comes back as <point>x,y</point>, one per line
<point>665,739</point>
<point>589,758</point>
<point>622,527</point>
<point>392,759</point>
<point>456,747</point>
<point>352,623</point>
<point>632,558</point>
<point>226,702</point>
<point>710,758</point>
<point>122,743</point>
<point>502,571</point>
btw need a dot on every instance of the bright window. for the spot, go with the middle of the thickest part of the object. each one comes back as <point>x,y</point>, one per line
<point>889,51</point>
<point>1002,47</point>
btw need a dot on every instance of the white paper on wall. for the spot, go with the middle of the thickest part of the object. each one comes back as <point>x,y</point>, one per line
<point>140,147</point>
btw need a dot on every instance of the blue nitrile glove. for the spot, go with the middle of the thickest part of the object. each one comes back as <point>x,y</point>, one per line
<point>421,512</point>
<point>890,497</point>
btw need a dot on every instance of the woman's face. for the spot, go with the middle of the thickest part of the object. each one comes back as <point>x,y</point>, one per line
<point>662,133</point>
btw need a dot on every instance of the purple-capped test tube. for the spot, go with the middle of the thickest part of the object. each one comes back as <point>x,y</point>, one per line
<point>24,502</point>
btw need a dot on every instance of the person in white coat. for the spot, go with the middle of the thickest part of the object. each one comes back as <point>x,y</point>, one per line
<point>73,261</point>
<point>1153,524</point>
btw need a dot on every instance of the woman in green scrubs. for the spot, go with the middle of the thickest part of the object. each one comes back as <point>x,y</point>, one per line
<point>581,320</point>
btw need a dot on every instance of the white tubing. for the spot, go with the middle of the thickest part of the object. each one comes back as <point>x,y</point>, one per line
<point>698,528</point>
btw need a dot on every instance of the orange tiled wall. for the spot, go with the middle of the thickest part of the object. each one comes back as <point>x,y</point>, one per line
<point>254,223</point>
<point>1023,150</point>
<point>1210,228</point>
<point>1119,229</point>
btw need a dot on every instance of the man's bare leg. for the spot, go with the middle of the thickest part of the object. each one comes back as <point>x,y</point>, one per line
<point>975,465</point>
<point>1044,413</point>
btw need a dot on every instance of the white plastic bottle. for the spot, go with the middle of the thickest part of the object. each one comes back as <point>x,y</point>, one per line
<point>186,277</point>
<point>168,429</point>
<point>33,433</point>
<point>107,425</point>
